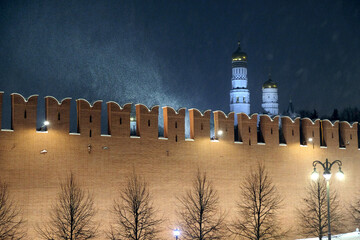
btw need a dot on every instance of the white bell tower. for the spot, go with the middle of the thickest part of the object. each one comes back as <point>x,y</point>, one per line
<point>270,97</point>
<point>239,94</point>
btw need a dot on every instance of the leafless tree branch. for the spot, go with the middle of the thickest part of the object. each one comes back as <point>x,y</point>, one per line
<point>135,216</point>
<point>11,221</point>
<point>312,214</point>
<point>258,208</point>
<point>200,217</point>
<point>71,218</point>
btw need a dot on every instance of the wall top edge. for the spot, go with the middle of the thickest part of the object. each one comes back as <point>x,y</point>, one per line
<point>149,109</point>
<point>7,130</point>
<point>177,112</point>
<point>227,116</point>
<point>42,132</point>
<point>201,113</point>
<point>25,99</point>
<point>59,102</point>
<point>350,124</point>
<point>91,105</point>
<point>292,120</point>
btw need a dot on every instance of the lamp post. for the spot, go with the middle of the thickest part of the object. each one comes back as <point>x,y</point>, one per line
<point>327,175</point>
<point>176,233</point>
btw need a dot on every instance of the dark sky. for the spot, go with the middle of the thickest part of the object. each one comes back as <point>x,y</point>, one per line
<point>178,53</point>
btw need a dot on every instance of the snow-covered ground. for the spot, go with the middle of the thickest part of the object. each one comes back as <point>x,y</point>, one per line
<point>345,236</point>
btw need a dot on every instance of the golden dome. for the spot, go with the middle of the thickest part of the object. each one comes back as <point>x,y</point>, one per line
<point>239,55</point>
<point>269,84</point>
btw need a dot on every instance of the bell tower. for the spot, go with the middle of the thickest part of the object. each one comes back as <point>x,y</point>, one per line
<point>270,97</point>
<point>239,94</point>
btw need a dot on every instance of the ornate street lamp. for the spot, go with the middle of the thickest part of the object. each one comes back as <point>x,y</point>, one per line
<point>327,175</point>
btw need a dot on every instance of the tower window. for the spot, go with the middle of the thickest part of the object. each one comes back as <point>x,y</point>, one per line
<point>202,126</point>
<point>176,139</point>
<point>237,100</point>
<point>292,132</point>
<point>120,121</point>
<point>25,114</point>
<point>332,135</point>
<point>271,131</point>
<point>58,116</point>
<point>313,133</point>
<point>249,130</point>
<point>90,133</point>
<point>148,123</point>
<point>175,124</point>
<point>350,136</point>
<point>90,119</point>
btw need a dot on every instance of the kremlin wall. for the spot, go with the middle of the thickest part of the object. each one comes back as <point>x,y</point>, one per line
<point>33,162</point>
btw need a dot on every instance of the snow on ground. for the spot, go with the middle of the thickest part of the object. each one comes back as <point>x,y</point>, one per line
<point>346,236</point>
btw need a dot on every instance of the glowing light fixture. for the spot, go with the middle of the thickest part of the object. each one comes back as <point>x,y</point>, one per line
<point>340,175</point>
<point>310,139</point>
<point>314,175</point>
<point>46,123</point>
<point>220,132</point>
<point>176,233</point>
<point>327,175</point>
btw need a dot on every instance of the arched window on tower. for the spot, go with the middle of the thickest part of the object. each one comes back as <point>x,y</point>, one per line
<point>237,100</point>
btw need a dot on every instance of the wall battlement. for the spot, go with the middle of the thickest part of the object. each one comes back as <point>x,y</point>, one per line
<point>34,162</point>
<point>252,129</point>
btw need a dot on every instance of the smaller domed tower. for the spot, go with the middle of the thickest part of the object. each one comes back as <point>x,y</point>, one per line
<point>270,97</point>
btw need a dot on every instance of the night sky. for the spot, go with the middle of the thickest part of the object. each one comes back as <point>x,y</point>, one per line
<point>178,53</point>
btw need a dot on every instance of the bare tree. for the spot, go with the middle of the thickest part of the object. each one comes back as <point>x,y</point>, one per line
<point>11,222</point>
<point>355,211</point>
<point>71,217</point>
<point>200,217</point>
<point>313,211</point>
<point>258,208</point>
<point>135,216</point>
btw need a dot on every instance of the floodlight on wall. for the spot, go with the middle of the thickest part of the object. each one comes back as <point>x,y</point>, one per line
<point>220,132</point>
<point>46,123</point>
<point>311,140</point>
